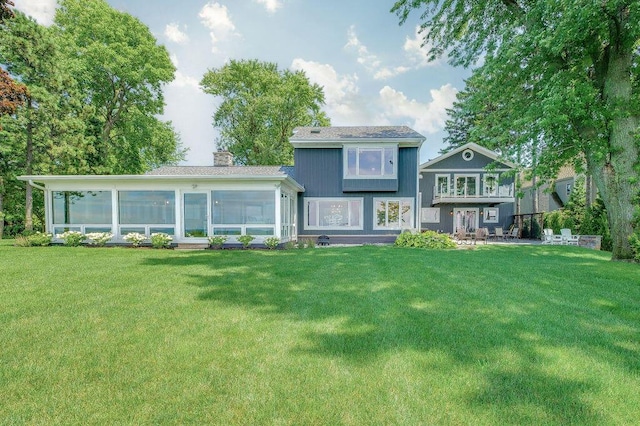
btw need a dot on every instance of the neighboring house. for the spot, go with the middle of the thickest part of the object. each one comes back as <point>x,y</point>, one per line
<point>551,196</point>
<point>355,184</point>
<point>465,189</point>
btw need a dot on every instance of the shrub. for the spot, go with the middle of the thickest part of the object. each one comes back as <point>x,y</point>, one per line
<point>300,243</point>
<point>39,239</point>
<point>272,242</point>
<point>311,243</point>
<point>289,245</point>
<point>596,222</point>
<point>161,240</point>
<point>72,238</point>
<point>634,240</point>
<point>21,241</point>
<point>99,238</point>
<point>217,241</point>
<point>246,240</point>
<point>426,239</point>
<point>135,238</point>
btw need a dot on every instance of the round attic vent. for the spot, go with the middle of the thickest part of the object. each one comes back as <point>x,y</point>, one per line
<point>467,155</point>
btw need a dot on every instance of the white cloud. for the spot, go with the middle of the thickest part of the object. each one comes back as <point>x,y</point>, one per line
<point>216,18</point>
<point>270,5</point>
<point>173,33</point>
<point>183,80</point>
<point>423,117</point>
<point>344,105</point>
<point>365,58</point>
<point>417,53</point>
<point>42,11</point>
<point>416,56</point>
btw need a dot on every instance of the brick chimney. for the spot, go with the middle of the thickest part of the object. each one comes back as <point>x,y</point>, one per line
<point>222,159</point>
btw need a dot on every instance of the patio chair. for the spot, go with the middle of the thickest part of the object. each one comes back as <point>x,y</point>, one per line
<point>499,234</point>
<point>514,233</point>
<point>461,236</point>
<point>568,238</point>
<point>547,236</point>
<point>482,234</point>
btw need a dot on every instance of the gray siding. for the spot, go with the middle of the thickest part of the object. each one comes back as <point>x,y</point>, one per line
<point>319,170</point>
<point>457,165</point>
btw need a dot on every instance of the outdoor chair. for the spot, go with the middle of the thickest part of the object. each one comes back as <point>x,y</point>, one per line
<point>482,234</point>
<point>514,233</point>
<point>547,236</point>
<point>498,233</point>
<point>462,237</point>
<point>568,238</point>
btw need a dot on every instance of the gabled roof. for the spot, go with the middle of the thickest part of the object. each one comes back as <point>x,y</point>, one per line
<point>472,146</point>
<point>320,137</point>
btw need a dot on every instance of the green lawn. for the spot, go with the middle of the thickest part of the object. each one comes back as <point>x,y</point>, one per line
<point>361,335</point>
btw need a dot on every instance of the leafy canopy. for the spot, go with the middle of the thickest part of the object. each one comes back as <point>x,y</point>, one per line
<point>261,105</point>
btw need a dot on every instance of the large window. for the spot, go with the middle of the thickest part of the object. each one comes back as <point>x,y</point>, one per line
<point>333,213</point>
<point>370,162</point>
<point>82,207</point>
<point>243,207</point>
<point>147,207</point>
<point>466,185</point>
<point>393,214</point>
<point>442,185</point>
<point>490,185</point>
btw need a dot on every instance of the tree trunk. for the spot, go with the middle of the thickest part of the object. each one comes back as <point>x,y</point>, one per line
<point>614,178</point>
<point>28,219</point>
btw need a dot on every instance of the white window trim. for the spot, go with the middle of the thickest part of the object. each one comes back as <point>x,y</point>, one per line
<point>411,202</point>
<point>496,189</point>
<point>306,225</point>
<point>485,215</point>
<point>448,177</point>
<point>381,147</point>
<point>466,175</point>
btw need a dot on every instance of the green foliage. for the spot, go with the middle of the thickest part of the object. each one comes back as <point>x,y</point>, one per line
<point>39,239</point>
<point>217,241</point>
<point>310,243</point>
<point>261,105</point>
<point>272,242</point>
<point>245,240</point>
<point>425,239</point>
<point>135,238</point>
<point>99,239</point>
<point>301,243</point>
<point>596,223</point>
<point>160,240</point>
<point>72,238</point>
<point>289,245</point>
<point>553,89</point>
<point>634,240</point>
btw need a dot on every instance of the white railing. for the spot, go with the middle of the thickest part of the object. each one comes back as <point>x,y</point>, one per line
<point>503,191</point>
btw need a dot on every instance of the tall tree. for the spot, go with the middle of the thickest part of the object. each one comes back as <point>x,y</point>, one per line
<point>12,94</point>
<point>121,71</point>
<point>261,105</point>
<point>561,74</point>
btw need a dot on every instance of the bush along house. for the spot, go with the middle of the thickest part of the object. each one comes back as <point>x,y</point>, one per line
<point>350,184</point>
<point>466,189</point>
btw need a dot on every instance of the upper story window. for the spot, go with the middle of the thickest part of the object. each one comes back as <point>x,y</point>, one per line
<point>370,162</point>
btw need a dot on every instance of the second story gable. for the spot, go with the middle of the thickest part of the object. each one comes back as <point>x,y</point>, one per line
<point>358,159</point>
<point>468,174</point>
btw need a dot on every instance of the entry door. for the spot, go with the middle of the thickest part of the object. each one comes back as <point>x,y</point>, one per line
<point>195,215</point>
<point>465,219</point>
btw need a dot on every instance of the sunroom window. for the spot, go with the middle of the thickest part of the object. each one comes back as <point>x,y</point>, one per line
<point>370,162</point>
<point>82,207</point>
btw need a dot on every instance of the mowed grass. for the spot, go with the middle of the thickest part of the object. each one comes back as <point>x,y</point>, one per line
<point>360,335</point>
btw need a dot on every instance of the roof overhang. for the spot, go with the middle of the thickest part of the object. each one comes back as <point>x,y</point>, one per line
<point>473,146</point>
<point>45,179</point>
<point>339,143</point>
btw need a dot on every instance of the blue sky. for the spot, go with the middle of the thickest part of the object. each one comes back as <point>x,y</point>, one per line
<point>374,71</point>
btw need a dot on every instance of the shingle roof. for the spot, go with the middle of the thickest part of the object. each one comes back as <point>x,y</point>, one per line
<point>354,132</point>
<point>276,171</point>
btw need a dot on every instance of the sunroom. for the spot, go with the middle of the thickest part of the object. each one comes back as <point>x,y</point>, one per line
<point>189,203</point>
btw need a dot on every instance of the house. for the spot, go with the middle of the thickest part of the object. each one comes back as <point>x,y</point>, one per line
<point>465,189</point>
<point>353,184</point>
